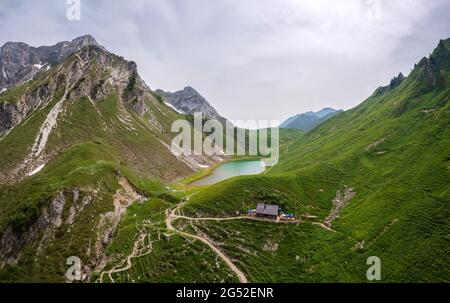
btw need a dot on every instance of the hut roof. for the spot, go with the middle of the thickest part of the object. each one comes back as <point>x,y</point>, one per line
<point>271,210</point>
<point>267,209</point>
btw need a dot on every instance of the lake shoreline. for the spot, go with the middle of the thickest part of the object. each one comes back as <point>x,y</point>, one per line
<point>228,170</point>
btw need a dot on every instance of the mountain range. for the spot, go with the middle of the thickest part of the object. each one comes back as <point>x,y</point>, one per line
<point>372,181</point>
<point>309,120</point>
<point>87,171</point>
<point>79,142</point>
<point>189,101</point>
<point>19,62</point>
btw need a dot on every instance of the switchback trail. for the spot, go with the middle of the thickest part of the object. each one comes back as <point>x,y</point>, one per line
<point>140,249</point>
<point>171,215</point>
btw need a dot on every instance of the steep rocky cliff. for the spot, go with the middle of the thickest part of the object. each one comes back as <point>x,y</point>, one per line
<point>20,62</point>
<point>189,101</point>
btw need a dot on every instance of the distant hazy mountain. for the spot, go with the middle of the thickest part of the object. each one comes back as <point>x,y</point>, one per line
<point>309,120</point>
<point>20,62</point>
<point>188,101</point>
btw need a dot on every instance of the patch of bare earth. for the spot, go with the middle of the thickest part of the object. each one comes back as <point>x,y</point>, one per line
<point>109,221</point>
<point>376,143</point>
<point>427,111</point>
<point>270,245</point>
<point>339,202</point>
<point>141,247</point>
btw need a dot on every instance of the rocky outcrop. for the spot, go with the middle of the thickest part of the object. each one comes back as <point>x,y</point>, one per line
<point>12,113</point>
<point>53,221</point>
<point>91,72</point>
<point>433,67</point>
<point>108,73</point>
<point>12,241</point>
<point>109,221</point>
<point>189,101</point>
<point>341,200</point>
<point>428,71</point>
<point>396,81</point>
<point>19,62</point>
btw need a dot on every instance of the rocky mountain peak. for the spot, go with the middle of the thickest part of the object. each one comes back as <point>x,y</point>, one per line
<point>84,41</point>
<point>10,46</point>
<point>91,72</point>
<point>20,62</point>
<point>106,73</point>
<point>396,81</point>
<point>190,89</point>
<point>431,67</point>
<point>190,101</point>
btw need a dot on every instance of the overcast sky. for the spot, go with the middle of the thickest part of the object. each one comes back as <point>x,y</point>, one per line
<point>252,59</point>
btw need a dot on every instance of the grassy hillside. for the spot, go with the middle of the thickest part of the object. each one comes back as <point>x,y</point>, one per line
<point>388,159</point>
<point>393,150</point>
<point>108,148</point>
<point>102,153</point>
<point>161,260</point>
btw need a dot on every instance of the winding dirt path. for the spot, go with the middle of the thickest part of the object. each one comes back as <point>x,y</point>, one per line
<point>139,246</point>
<point>324,226</point>
<point>171,215</point>
<point>226,259</point>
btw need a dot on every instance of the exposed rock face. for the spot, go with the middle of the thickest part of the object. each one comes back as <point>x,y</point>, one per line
<point>57,53</point>
<point>396,81</point>
<point>107,73</point>
<point>189,101</point>
<point>19,62</point>
<point>52,219</point>
<point>12,242</point>
<point>341,200</point>
<point>432,68</point>
<point>14,112</point>
<point>108,222</point>
<point>428,69</point>
<point>91,72</point>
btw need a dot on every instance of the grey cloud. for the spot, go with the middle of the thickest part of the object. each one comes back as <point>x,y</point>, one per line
<point>253,59</point>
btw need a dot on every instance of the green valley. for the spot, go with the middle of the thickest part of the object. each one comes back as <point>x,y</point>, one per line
<point>391,152</point>
<point>87,171</point>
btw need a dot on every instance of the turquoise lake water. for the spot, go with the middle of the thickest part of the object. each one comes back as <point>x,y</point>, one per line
<point>231,169</point>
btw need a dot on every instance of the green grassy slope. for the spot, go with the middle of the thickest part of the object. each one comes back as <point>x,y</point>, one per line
<point>162,260</point>
<point>394,150</point>
<point>93,145</point>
